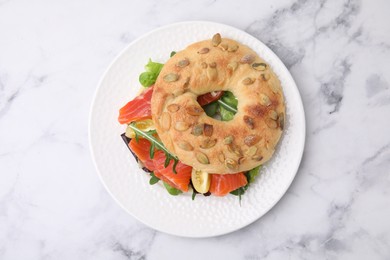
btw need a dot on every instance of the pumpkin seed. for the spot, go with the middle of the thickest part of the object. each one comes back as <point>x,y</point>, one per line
<point>171,77</point>
<point>178,92</point>
<point>223,46</point>
<point>212,73</point>
<point>259,66</point>
<point>202,158</point>
<point>181,126</point>
<point>281,120</point>
<point>232,48</point>
<point>197,130</point>
<point>173,108</point>
<point>194,110</point>
<point>241,160</point>
<point>257,158</point>
<point>265,76</point>
<point>274,88</point>
<point>186,83</point>
<point>216,39</point>
<point>264,100</point>
<point>231,164</point>
<point>247,59</point>
<point>234,149</point>
<point>251,151</point>
<point>228,139</point>
<point>203,50</point>
<point>247,81</point>
<point>272,114</point>
<point>249,122</point>
<point>183,63</point>
<point>251,140</point>
<point>232,66</point>
<point>165,121</point>
<point>208,143</point>
<point>213,65</point>
<point>267,146</point>
<point>208,130</point>
<point>185,146</point>
<point>271,123</point>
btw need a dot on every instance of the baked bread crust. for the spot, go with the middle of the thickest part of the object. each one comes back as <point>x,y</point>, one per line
<point>205,143</point>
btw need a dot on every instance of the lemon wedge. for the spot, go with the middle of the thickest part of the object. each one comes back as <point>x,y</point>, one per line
<point>143,125</point>
<point>200,180</point>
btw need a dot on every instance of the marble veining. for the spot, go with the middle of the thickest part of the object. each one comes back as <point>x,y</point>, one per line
<point>52,204</point>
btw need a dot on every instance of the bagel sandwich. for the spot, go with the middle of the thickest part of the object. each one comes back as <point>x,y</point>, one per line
<point>214,110</point>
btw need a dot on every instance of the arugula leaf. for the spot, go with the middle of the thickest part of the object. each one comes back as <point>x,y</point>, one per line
<point>156,144</point>
<point>151,150</point>
<point>211,109</point>
<point>252,174</point>
<point>226,115</point>
<point>152,69</point>
<point>171,190</point>
<point>229,98</point>
<point>154,179</point>
<point>193,194</point>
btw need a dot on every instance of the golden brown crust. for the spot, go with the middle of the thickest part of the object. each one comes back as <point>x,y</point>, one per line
<point>202,142</point>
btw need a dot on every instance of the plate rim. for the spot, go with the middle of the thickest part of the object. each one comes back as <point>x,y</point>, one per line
<point>301,111</point>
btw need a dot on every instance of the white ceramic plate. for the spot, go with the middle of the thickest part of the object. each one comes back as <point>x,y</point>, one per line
<point>152,205</point>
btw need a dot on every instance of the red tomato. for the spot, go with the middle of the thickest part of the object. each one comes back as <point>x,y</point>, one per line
<point>209,97</point>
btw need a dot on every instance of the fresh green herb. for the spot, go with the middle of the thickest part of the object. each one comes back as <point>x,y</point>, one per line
<point>151,150</point>
<point>171,190</point>
<point>226,115</point>
<point>155,144</point>
<point>193,194</point>
<point>153,180</point>
<point>152,69</point>
<point>239,192</point>
<point>172,53</point>
<point>250,176</point>
<point>211,109</point>
<point>227,107</point>
<point>229,98</point>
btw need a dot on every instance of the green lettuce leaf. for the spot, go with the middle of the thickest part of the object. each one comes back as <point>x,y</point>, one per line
<point>152,70</point>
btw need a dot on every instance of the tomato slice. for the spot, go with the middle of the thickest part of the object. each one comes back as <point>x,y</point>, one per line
<point>209,97</point>
<point>137,109</point>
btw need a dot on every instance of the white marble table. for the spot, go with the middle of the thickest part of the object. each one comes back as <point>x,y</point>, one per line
<point>52,204</point>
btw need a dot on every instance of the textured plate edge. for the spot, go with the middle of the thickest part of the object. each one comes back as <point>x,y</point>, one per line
<point>301,108</point>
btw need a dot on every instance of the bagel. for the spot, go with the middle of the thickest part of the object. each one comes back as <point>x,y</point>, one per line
<point>205,143</point>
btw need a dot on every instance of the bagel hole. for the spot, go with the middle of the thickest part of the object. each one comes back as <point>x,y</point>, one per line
<point>223,106</point>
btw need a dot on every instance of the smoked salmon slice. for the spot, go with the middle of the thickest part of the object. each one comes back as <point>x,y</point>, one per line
<point>222,184</point>
<point>179,180</point>
<point>137,109</point>
<point>140,107</point>
<point>141,149</point>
